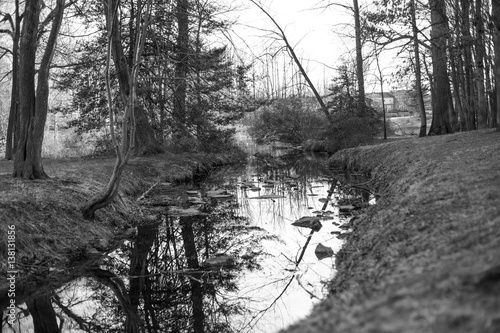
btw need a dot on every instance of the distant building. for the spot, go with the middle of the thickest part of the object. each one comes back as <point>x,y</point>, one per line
<point>397,103</point>
<point>375,100</point>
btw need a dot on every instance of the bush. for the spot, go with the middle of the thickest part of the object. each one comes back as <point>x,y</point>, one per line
<point>297,121</point>
<point>292,120</point>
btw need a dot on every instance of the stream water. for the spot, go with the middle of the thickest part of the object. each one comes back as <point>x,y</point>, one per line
<point>229,260</point>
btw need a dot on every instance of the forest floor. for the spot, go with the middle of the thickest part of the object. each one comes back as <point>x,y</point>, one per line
<point>52,238</point>
<point>426,257</point>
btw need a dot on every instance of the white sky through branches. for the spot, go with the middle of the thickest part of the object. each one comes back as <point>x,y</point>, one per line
<point>310,28</point>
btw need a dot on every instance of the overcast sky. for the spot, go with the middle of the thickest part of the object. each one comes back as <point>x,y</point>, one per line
<point>312,31</point>
<point>320,35</point>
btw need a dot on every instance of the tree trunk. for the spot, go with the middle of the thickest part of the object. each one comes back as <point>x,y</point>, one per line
<point>146,235</point>
<point>27,162</point>
<point>145,141</point>
<point>191,252</point>
<point>181,70</point>
<point>418,73</point>
<point>290,50</point>
<point>43,314</point>
<point>13,124</point>
<point>456,92</point>
<point>359,60</point>
<point>482,112</point>
<point>440,118</point>
<point>469,87</point>
<point>133,322</point>
<point>33,108</point>
<point>495,17</point>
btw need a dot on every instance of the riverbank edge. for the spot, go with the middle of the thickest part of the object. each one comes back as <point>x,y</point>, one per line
<point>425,257</point>
<point>54,243</point>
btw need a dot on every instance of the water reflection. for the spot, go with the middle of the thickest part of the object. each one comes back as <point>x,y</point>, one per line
<point>228,259</point>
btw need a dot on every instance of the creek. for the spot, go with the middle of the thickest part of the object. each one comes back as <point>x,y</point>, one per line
<point>226,260</point>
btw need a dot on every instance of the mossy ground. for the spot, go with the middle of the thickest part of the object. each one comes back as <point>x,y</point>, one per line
<point>426,257</point>
<point>52,237</point>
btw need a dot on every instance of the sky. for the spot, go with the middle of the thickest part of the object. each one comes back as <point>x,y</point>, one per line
<point>310,30</point>
<point>321,36</point>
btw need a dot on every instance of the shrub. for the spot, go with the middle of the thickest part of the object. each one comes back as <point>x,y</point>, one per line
<point>297,121</point>
<point>292,120</point>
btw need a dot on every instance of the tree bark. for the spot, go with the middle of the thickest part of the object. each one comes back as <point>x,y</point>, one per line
<point>181,70</point>
<point>145,141</point>
<point>128,85</point>
<point>191,252</point>
<point>418,72</point>
<point>26,162</point>
<point>495,17</point>
<point>43,314</point>
<point>468,86</point>
<point>482,112</point>
<point>13,124</point>
<point>439,31</point>
<point>359,60</point>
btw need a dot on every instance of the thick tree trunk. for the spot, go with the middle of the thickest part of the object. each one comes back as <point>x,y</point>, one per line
<point>13,124</point>
<point>462,126</point>
<point>440,118</point>
<point>28,158</point>
<point>469,86</point>
<point>43,314</point>
<point>181,70</point>
<point>26,161</point>
<point>482,112</point>
<point>495,17</point>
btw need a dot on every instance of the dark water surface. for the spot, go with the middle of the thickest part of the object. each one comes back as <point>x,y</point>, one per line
<point>229,260</point>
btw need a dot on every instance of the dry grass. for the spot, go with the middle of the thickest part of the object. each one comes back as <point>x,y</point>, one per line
<point>426,257</point>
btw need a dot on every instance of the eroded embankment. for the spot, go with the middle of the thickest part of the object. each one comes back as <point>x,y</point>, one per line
<point>52,240</point>
<point>426,258</point>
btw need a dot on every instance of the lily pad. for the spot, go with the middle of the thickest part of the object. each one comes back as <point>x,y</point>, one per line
<point>346,208</point>
<point>219,194</point>
<point>192,192</point>
<point>178,211</point>
<point>323,252</point>
<point>269,196</point>
<point>344,235</point>
<point>195,201</point>
<point>311,222</point>
<point>219,262</point>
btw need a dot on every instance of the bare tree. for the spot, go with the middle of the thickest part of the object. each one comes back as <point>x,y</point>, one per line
<point>33,105</point>
<point>418,72</point>
<point>291,52</point>
<point>13,125</point>
<point>128,86</point>
<point>439,31</point>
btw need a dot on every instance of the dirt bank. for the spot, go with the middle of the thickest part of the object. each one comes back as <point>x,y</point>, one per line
<point>52,240</point>
<point>426,258</point>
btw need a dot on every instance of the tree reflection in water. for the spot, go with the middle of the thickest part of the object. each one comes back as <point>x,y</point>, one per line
<point>159,282</point>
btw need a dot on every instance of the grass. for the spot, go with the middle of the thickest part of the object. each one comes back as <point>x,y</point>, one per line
<point>425,258</point>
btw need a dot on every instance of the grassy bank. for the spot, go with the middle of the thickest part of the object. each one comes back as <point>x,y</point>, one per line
<point>52,238</point>
<point>425,258</point>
